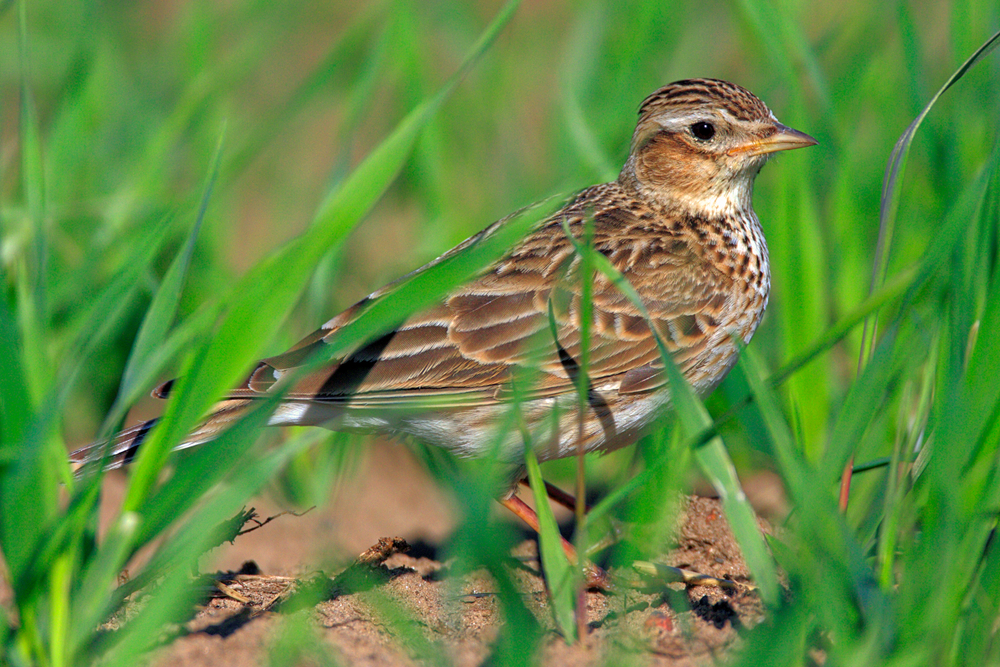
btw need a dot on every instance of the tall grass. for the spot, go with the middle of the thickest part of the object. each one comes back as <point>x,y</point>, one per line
<point>153,157</point>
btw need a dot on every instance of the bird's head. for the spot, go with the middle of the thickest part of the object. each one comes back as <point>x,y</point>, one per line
<point>699,143</point>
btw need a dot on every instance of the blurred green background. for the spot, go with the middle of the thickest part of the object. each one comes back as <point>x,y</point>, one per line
<point>112,111</point>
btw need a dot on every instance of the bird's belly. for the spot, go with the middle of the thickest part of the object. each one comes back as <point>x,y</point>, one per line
<point>612,420</point>
<point>492,431</point>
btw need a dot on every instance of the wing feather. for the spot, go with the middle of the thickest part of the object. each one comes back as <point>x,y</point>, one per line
<point>464,350</point>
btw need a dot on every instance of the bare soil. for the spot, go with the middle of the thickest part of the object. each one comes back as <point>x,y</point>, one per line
<point>391,500</point>
<point>660,623</point>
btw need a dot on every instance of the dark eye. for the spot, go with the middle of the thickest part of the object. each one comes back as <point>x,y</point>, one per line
<point>703,130</point>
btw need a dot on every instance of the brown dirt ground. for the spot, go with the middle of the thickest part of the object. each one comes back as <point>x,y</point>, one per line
<point>660,624</point>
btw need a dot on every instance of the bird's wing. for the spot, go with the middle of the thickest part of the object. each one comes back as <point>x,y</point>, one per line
<point>466,349</point>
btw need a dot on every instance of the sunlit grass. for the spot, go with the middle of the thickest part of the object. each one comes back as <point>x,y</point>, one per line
<point>157,161</point>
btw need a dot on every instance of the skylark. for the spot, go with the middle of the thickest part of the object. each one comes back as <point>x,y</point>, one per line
<point>678,224</point>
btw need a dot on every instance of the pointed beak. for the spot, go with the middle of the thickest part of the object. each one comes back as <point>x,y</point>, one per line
<point>783,139</point>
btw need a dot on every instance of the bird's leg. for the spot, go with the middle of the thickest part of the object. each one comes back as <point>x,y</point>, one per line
<point>596,577</point>
<point>558,495</point>
<point>569,502</point>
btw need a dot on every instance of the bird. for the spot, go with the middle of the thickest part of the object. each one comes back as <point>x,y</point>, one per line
<point>678,224</point>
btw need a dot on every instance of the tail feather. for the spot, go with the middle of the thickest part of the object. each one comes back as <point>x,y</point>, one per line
<point>116,452</point>
<point>121,449</point>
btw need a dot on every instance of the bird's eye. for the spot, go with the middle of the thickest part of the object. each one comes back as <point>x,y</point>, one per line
<point>703,130</point>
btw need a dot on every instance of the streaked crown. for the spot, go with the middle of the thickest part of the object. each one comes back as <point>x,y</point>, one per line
<point>739,102</point>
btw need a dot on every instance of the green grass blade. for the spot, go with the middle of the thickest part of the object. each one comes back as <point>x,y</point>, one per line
<point>90,601</point>
<point>15,409</point>
<point>716,465</point>
<point>163,309</point>
<point>311,87</point>
<point>558,570</point>
<point>28,492</point>
<point>198,474</point>
<point>712,457</point>
<point>34,306</point>
<point>967,414</point>
<point>173,598</point>
<point>798,263</point>
<point>266,294</point>
<point>39,545</point>
<point>820,526</point>
<point>897,163</point>
<point>872,388</point>
<point>38,540</point>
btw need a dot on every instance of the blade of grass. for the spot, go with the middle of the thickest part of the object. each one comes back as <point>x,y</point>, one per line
<point>894,170</point>
<point>267,292</point>
<point>820,527</point>
<point>33,310</point>
<point>966,413</point>
<point>154,344</point>
<point>654,504</point>
<point>29,491</point>
<point>171,601</point>
<point>798,264</point>
<point>583,390</point>
<point>716,465</point>
<point>359,94</point>
<point>16,410</point>
<point>41,547</point>
<point>199,473</point>
<point>873,387</point>
<point>557,568</point>
<point>712,457</point>
<point>163,309</point>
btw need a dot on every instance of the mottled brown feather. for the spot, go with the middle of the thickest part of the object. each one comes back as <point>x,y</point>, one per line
<point>493,321</point>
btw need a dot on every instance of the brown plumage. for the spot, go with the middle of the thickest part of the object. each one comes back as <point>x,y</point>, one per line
<point>678,224</point>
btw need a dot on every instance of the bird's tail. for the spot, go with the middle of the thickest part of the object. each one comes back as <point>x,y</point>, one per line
<point>121,449</point>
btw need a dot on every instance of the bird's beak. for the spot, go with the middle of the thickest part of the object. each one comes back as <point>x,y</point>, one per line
<point>784,139</point>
